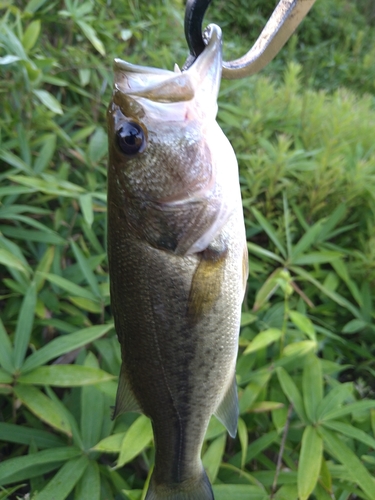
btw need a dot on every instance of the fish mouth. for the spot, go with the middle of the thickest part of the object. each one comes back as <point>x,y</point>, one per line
<point>200,82</point>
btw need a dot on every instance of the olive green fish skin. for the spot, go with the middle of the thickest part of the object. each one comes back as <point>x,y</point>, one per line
<point>178,264</point>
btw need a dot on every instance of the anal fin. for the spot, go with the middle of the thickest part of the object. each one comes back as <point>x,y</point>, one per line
<point>228,410</point>
<point>125,398</point>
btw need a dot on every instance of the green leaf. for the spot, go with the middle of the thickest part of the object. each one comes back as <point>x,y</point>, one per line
<point>266,226</point>
<point>354,326</point>
<point>34,5</point>
<point>31,35</point>
<point>88,487</point>
<point>24,326</point>
<point>98,145</point>
<point>85,201</point>
<point>43,407</point>
<point>355,469</point>
<point>244,440</point>
<point>64,481</point>
<point>85,268</point>
<point>238,492</point>
<point>10,260</point>
<point>310,460</point>
<point>307,240</point>
<point>358,406</point>
<point>69,286</point>
<point>45,154</point>
<point>14,161</point>
<point>110,444</point>
<point>62,345</point>
<point>136,438</point>
<point>9,468</point>
<point>263,339</point>
<point>312,385</point>
<point>213,457</point>
<point>261,444</point>
<point>6,354</point>
<point>303,323</point>
<point>299,349</point>
<point>351,431</point>
<point>268,288</point>
<point>292,393</point>
<point>91,397</point>
<point>90,33</point>
<point>334,399</point>
<point>65,376</point>
<point>248,318</point>
<point>49,101</point>
<point>26,435</point>
<point>253,248</point>
<point>5,377</point>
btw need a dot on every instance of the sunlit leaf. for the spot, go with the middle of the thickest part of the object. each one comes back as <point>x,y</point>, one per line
<point>43,407</point>
<point>49,101</point>
<point>65,376</point>
<point>213,457</point>
<point>312,384</point>
<point>24,326</point>
<point>263,339</point>
<point>136,438</point>
<point>309,462</point>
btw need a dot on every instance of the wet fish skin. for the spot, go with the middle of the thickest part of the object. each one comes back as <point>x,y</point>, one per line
<point>178,264</point>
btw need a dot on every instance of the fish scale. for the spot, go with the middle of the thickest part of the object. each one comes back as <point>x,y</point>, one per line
<point>178,262</point>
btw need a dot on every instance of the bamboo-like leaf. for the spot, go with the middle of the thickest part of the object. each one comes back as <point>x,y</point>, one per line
<point>238,492</point>
<point>9,260</point>
<point>90,33</point>
<point>31,35</point>
<point>299,349</point>
<point>45,154</point>
<point>85,268</point>
<point>213,457</point>
<point>91,397</point>
<point>85,201</point>
<point>5,377</point>
<point>266,226</point>
<point>310,460</point>
<point>358,406</point>
<point>292,393</point>
<point>355,469</point>
<point>253,248</point>
<point>65,376</point>
<point>307,240</point>
<point>261,444</point>
<point>49,101</point>
<point>136,438</point>
<point>303,323</point>
<point>88,487</point>
<point>24,326</point>
<point>62,345</point>
<point>6,354</point>
<point>43,407</point>
<point>334,399</point>
<point>70,287</point>
<point>244,440</point>
<point>110,444</point>
<point>268,288</point>
<point>9,468</point>
<point>351,431</point>
<point>26,435</point>
<point>312,384</point>
<point>64,481</point>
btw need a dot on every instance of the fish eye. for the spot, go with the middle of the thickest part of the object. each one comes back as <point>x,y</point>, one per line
<point>131,138</point>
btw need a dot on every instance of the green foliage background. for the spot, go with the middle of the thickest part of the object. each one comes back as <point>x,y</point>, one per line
<point>303,132</point>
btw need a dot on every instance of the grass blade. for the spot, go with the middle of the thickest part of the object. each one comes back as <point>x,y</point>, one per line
<point>64,481</point>
<point>6,354</point>
<point>292,393</point>
<point>267,228</point>
<point>64,344</point>
<point>24,325</point>
<point>310,460</point>
<point>65,376</point>
<point>86,270</point>
<point>312,384</point>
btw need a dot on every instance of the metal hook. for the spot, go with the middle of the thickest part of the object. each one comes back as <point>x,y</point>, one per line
<point>286,17</point>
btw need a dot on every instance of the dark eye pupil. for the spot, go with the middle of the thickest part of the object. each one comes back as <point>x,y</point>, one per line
<point>131,138</point>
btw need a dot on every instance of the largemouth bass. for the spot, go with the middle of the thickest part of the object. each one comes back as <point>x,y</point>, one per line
<point>178,261</point>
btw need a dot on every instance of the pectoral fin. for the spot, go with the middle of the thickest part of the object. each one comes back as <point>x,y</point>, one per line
<point>207,282</point>
<point>125,399</point>
<point>228,410</point>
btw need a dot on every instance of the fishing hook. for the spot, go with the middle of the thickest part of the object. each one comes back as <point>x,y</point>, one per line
<point>284,20</point>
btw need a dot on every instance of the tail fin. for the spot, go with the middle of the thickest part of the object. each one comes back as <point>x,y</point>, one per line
<point>196,489</point>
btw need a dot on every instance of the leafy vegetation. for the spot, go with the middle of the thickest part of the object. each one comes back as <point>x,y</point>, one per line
<point>303,134</point>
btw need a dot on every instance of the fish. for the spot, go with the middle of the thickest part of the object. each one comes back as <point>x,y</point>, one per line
<point>177,261</point>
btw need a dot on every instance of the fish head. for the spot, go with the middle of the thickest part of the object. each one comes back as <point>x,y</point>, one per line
<point>156,126</point>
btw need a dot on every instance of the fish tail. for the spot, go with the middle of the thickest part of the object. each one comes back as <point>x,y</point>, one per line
<point>199,489</point>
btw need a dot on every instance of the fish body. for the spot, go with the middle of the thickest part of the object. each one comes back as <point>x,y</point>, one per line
<point>178,261</point>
